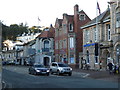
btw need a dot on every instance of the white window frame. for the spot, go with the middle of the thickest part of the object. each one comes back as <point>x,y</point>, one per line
<point>71,42</point>
<point>82,19</point>
<point>108,32</point>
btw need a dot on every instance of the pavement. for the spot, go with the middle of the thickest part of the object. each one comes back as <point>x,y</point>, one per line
<point>100,75</point>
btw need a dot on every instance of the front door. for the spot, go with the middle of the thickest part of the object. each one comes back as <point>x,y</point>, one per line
<point>46,61</point>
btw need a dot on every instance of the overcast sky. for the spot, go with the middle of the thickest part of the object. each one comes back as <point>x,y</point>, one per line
<point>28,11</point>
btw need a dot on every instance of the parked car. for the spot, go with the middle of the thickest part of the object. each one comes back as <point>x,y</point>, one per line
<point>4,62</point>
<point>10,62</point>
<point>38,69</point>
<point>60,68</point>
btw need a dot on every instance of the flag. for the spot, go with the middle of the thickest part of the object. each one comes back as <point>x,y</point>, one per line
<point>98,7</point>
<point>38,19</point>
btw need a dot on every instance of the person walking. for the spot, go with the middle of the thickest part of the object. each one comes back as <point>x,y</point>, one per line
<point>100,65</point>
<point>110,66</point>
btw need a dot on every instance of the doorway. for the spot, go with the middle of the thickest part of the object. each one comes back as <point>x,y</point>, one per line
<point>46,61</point>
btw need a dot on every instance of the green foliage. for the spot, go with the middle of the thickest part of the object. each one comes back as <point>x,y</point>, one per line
<point>12,31</point>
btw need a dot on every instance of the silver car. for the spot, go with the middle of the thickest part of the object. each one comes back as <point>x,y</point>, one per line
<point>60,68</point>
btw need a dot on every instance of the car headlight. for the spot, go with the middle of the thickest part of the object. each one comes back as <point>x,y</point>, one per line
<point>37,70</point>
<point>47,70</point>
<point>71,69</point>
<point>60,69</point>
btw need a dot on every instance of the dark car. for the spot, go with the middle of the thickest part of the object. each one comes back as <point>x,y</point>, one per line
<point>4,62</point>
<point>38,69</point>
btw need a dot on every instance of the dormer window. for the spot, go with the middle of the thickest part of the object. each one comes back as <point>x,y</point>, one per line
<point>82,17</point>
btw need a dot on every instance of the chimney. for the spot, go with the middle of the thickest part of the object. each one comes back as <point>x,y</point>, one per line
<point>64,15</point>
<point>76,9</point>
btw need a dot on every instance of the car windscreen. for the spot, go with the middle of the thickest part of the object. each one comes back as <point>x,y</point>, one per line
<point>39,66</point>
<point>63,65</point>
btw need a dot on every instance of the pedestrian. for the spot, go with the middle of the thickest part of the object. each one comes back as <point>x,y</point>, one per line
<point>110,66</point>
<point>81,62</point>
<point>100,65</point>
<point>84,64</point>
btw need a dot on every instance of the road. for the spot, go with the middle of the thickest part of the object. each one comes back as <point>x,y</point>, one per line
<point>16,79</point>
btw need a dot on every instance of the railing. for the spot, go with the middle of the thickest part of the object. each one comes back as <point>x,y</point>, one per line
<point>45,49</point>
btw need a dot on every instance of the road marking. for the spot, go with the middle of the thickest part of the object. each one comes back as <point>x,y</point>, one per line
<point>85,75</point>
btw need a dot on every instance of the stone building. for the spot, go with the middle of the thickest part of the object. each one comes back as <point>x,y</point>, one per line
<point>44,47</point>
<point>115,29</point>
<point>101,40</point>
<point>97,43</point>
<point>68,36</point>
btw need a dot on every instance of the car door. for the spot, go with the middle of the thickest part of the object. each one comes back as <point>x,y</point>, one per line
<point>54,67</point>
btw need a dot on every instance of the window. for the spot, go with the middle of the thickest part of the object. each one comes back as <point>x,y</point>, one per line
<point>95,34</point>
<point>108,31</point>
<point>118,20</point>
<point>56,45</point>
<point>53,64</point>
<point>64,43</point>
<point>71,42</point>
<point>46,44</point>
<point>87,36</point>
<point>82,17</point>
<point>64,27</point>
<point>96,59</point>
<point>88,60</point>
<point>70,27</point>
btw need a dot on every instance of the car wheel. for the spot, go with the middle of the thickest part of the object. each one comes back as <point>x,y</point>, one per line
<point>58,72</point>
<point>51,71</point>
<point>35,73</point>
<point>70,74</point>
<point>47,74</point>
<point>29,72</point>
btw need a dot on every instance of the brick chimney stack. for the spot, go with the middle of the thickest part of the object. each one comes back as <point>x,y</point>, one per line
<point>76,9</point>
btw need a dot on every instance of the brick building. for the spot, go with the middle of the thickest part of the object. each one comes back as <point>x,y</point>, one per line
<point>69,36</point>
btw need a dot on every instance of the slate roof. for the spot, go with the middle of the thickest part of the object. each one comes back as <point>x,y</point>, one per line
<point>101,18</point>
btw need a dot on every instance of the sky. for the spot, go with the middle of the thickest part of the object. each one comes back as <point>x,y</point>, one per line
<point>28,11</point>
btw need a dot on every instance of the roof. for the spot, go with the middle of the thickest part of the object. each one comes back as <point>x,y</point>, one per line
<point>47,33</point>
<point>102,17</point>
<point>44,34</point>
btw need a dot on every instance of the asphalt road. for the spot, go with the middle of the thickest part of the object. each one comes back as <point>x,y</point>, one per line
<point>20,80</point>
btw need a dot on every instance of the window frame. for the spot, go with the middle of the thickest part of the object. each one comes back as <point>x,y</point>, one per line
<point>82,17</point>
